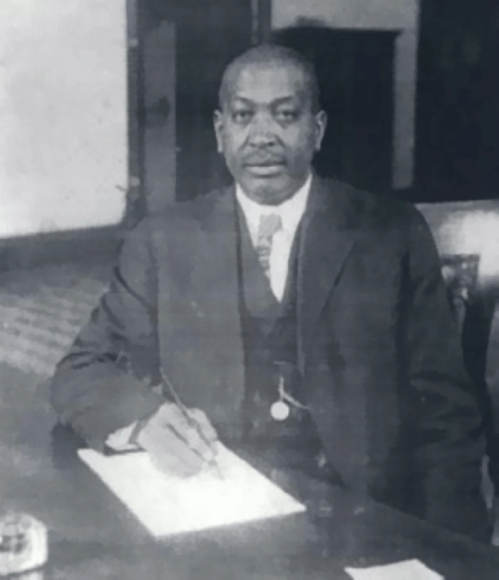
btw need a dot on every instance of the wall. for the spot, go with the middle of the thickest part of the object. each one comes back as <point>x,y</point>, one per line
<point>400,15</point>
<point>63,118</point>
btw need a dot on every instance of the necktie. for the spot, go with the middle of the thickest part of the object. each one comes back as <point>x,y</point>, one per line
<point>269,225</point>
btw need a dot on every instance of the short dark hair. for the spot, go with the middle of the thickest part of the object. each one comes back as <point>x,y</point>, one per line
<point>265,53</point>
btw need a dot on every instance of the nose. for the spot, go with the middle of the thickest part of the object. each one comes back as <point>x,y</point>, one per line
<point>262,131</point>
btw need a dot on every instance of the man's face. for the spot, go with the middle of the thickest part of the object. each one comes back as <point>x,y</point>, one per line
<point>268,131</point>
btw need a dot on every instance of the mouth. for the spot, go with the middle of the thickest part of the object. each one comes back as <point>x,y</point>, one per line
<point>264,168</point>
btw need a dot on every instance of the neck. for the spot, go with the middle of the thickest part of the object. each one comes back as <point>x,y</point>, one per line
<point>276,198</point>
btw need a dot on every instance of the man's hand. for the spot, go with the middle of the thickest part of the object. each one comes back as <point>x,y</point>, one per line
<point>178,445</point>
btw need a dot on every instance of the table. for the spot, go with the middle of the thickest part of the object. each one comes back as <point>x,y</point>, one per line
<point>93,536</point>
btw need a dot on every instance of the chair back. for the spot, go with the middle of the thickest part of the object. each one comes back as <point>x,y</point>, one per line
<point>467,237</point>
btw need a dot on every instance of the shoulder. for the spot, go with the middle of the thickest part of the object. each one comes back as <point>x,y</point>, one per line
<point>368,210</point>
<point>180,217</point>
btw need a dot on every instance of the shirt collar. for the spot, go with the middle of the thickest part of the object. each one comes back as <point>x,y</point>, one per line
<point>291,210</point>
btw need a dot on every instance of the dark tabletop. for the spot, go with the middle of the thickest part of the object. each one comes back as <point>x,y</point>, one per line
<point>92,535</point>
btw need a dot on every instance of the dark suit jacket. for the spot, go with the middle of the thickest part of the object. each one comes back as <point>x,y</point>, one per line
<point>378,349</point>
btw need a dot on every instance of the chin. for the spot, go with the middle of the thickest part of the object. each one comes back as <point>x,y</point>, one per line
<point>268,194</point>
<point>269,197</point>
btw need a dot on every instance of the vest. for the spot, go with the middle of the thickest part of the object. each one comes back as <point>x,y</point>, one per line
<point>269,331</point>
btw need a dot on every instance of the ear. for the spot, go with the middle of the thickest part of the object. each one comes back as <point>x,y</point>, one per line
<point>320,128</point>
<point>218,124</point>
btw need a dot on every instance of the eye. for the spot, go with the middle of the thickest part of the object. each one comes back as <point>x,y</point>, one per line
<point>286,115</point>
<point>241,116</point>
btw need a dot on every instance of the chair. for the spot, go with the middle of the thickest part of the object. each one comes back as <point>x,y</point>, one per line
<point>467,237</point>
<point>473,304</point>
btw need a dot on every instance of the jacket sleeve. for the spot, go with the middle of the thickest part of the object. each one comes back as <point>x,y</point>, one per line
<point>449,442</point>
<point>93,391</point>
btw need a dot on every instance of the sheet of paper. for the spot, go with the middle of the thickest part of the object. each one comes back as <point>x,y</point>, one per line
<point>167,505</point>
<point>406,570</point>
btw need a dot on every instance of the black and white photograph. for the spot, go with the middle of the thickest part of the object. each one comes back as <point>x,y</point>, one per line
<point>249,289</point>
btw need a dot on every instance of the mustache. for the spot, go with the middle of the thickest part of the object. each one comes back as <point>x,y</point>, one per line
<point>259,159</point>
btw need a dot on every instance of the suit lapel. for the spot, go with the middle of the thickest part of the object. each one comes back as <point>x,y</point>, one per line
<point>328,236</point>
<point>331,228</point>
<point>202,311</point>
<point>215,269</point>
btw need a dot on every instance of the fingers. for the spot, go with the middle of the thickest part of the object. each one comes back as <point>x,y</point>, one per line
<point>204,425</point>
<point>174,457</point>
<point>196,429</point>
<point>174,445</point>
<point>168,452</point>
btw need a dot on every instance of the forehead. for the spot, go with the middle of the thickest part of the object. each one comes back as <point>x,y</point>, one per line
<point>267,82</point>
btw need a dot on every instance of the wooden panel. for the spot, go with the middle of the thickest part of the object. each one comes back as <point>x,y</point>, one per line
<point>366,14</point>
<point>458,102</point>
<point>157,116</point>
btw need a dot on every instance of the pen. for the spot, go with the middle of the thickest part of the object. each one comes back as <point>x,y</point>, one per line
<point>111,452</point>
<point>192,423</point>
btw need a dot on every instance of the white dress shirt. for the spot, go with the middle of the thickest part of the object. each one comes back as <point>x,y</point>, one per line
<point>291,212</point>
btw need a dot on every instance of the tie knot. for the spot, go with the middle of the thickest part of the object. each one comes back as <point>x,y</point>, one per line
<point>269,225</point>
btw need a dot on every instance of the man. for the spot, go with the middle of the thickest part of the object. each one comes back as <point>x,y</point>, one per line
<point>301,318</point>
